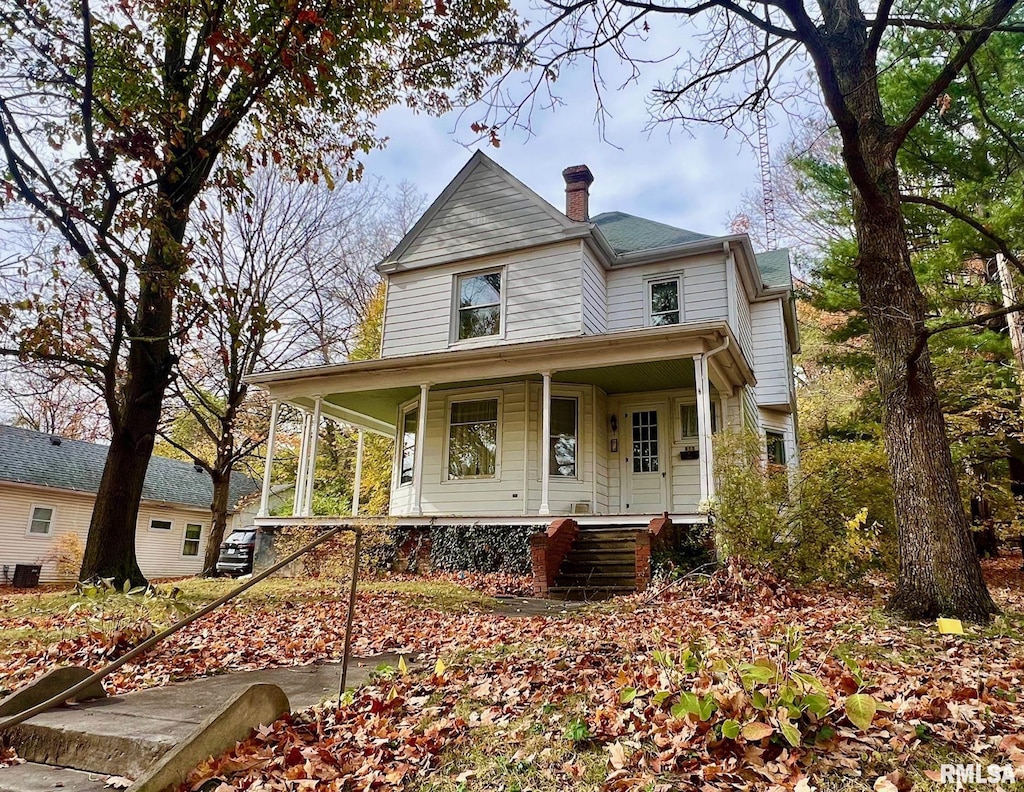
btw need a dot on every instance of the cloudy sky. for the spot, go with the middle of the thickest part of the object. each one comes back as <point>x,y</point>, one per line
<point>693,178</point>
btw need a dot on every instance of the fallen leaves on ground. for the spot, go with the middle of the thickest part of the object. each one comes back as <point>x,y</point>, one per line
<point>552,696</point>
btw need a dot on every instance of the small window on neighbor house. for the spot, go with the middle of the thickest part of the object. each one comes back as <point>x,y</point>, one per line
<point>409,426</point>
<point>192,533</point>
<point>479,297</point>
<point>473,439</point>
<point>665,302</point>
<point>563,437</point>
<point>159,525</point>
<point>776,448</point>
<point>42,521</point>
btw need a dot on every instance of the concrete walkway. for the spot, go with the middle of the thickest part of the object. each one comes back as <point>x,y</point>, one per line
<point>126,735</point>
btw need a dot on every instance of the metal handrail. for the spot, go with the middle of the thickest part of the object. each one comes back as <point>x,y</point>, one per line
<point>143,647</point>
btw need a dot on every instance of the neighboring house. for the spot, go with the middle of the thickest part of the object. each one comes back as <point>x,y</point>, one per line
<point>48,486</point>
<point>538,363</point>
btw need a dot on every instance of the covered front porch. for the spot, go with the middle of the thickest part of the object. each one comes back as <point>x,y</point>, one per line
<point>612,429</point>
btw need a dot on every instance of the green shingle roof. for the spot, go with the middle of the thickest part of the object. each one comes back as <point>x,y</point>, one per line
<point>775,269</point>
<point>28,457</point>
<point>629,234</point>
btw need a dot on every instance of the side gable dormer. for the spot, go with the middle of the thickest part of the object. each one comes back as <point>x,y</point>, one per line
<point>484,211</point>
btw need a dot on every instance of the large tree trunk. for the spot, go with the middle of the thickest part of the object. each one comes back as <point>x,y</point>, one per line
<point>218,521</point>
<point>939,572</point>
<point>110,547</point>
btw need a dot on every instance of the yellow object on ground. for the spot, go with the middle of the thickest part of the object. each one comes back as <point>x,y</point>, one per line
<point>950,626</point>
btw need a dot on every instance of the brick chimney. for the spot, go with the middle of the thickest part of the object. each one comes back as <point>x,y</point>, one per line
<point>578,179</point>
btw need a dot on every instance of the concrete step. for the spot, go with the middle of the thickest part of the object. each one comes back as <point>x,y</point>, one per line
<point>33,777</point>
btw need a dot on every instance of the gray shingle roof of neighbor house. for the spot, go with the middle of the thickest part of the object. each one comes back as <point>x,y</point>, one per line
<point>28,457</point>
<point>627,233</point>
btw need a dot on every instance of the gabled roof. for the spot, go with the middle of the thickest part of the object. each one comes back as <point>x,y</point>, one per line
<point>775,268</point>
<point>479,161</point>
<point>28,457</point>
<point>627,233</point>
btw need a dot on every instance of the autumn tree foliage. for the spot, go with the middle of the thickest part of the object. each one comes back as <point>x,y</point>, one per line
<point>743,55</point>
<point>115,117</point>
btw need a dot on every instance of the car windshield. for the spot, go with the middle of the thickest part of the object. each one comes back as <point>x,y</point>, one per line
<point>241,537</point>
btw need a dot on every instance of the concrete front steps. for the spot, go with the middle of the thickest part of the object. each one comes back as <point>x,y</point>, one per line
<point>154,737</point>
<point>601,563</point>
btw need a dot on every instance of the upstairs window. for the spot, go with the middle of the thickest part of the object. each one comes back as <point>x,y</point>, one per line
<point>159,525</point>
<point>664,302</point>
<point>479,305</point>
<point>42,521</point>
<point>410,421</point>
<point>473,439</point>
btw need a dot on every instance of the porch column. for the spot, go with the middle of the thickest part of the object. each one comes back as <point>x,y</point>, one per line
<point>271,437</point>
<point>358,476</point>
<point>300,466</point>
<point>545,446</point>
<point>314,442</point>
<point>707,478</point>
<point>417,459</point>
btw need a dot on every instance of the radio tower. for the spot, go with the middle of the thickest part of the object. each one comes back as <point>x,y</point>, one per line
<point>771,232</point>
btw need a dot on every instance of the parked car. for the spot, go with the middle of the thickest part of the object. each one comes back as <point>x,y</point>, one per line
<point>236,552</point>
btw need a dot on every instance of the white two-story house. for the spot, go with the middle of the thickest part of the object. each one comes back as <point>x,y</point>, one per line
<point>537,363</point>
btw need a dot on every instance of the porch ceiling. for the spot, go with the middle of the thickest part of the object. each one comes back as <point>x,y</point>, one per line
<point>380,404</point>
<point>634,377</point>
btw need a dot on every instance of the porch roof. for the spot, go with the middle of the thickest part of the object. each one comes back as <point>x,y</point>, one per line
<point>367,393</point>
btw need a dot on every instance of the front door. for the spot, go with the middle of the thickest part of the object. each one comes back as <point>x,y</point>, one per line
<point>644,478</point>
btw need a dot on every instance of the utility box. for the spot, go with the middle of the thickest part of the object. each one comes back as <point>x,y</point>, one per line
<point>26,575</point>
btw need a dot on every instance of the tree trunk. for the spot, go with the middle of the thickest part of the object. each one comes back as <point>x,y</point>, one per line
<point>110,547</point>
<point>218,521</point>
<point>939,573</point>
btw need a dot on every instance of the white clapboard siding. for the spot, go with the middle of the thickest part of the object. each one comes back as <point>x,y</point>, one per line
<point>542,298</point>
<point>602,488</point>
<point>485,215</point>
<point>744,326</point>
<point>705,290</point>
<point>771,361</point>
<point>159,552</point>
<point>595,296</point>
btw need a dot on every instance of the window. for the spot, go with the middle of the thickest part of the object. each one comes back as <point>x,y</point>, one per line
<point>409,425</point>
<point>665,302</point>
<point>562,445</point>
<point>473,439</point>
<point>41,522</point>
<point>159,525</point>
<point>645,441</point>
<point>192,533</point>
<point>689,420</point>
<point>776,448</point>
<point>479,313</point>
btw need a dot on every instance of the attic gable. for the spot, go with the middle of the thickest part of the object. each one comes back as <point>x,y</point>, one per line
<point>484,210</point>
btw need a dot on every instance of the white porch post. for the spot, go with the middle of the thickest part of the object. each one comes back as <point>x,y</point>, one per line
<point>358,476</point>
<point>417,460</point>
<point>300,467</point>
<point>545,446</point>
<point>265,495</point>
<point>707,478</point>
<point>314,442</point>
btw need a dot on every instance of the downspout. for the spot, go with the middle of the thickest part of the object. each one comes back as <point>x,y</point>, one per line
<point>705,454</point>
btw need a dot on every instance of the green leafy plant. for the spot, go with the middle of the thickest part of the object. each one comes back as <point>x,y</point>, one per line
<point>577,731</point>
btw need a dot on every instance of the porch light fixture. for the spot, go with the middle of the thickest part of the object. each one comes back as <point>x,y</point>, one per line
<point>614,421</point>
